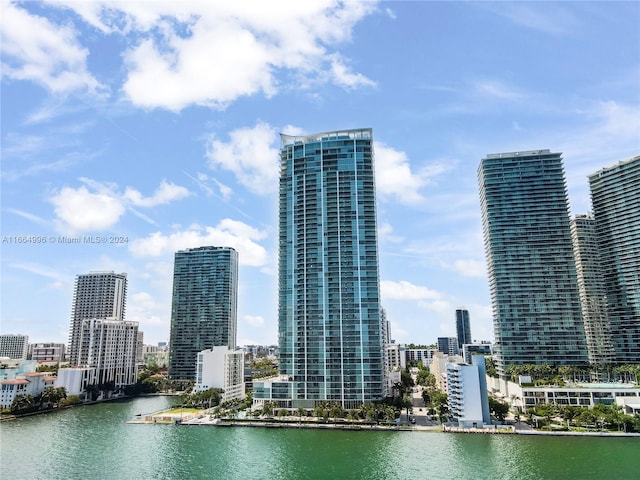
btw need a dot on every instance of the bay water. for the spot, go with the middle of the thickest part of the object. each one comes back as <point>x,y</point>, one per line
<point>96,442</point>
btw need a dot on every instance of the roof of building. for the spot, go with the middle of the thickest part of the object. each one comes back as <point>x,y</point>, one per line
<point>18,381</point>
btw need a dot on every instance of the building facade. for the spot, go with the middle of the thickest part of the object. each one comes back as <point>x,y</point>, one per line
<point>532,275</point>
<point>46,352</point>
<point>615,196</point>
<point>204,307</point>
<point>14,346</point>
<point>96,295</point>
<point>448,345</point>
<point>467,393</point>
<point>463,326</point>
<point>220,367</point>
<point>109,346</point>
<point>591,288</point>
<point>331,336</point>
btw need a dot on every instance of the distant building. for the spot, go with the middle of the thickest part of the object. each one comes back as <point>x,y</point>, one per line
<point>109,346</point>
<point>153,356</point>
<point>98,295</point>
<point>448,345</point>
<point>220,367</point>
<point>438,368</point>
<point>46,352</point>
<point>463,326</point>
<point>204,307</point>
<point>478,348</point>
<point>532,274</point>
<point>615,195</point>
<point>423,355</point>
<point>14,346</point>
<point>467,393</point>
<point>140,347</point>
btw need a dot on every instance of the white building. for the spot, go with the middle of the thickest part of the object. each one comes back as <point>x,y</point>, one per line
<point>222,368</point>
<point>32,383</point>
<point>75,379</point>
<point>423,355</point>
<point>14,346</point>
<point>396,357</point>
<point>467,393</point>
<point>109,346</point>
<point>46,352</point>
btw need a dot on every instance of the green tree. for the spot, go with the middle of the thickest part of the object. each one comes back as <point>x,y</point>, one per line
<point>498,409</point>
<point>22,403</point>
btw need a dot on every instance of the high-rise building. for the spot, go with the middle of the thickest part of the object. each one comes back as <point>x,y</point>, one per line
<point>109,346</point>
<point>98,295</point>
<point>329,314</point>
<point>615,195</point>
<point>14,346</point>
<point>591,288</point>
<point>463,327</point>
<point>204,307</point>
<point>448,345</point>
<point>532,275</point>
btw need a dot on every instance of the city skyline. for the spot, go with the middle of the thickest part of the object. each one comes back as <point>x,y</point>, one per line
<point>119,127</point>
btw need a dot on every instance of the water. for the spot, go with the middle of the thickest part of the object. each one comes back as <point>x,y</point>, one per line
<point>95,442</point>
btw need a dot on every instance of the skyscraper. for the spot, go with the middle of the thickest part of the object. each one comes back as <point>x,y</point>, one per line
<point>532,275</point>
<point>204,307</point>
<point>463,327</point>
<point>330,328</point>
<point>591,288</point>
<point>615,194</point>
<point>97,295</point>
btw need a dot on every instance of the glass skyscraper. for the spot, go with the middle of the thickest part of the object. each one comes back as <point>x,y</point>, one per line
<point>615,194</point>
<point>330,328</point>
<point>204,307</point>
<point>532,274</point>
<point>463,327</point>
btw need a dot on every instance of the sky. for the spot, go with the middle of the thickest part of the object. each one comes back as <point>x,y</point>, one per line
<point>143,128</point>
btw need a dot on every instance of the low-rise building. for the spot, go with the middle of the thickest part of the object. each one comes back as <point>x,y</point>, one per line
<point>46,352</point>
<point>75,379</point>
<point>467,393</point>
<point>32,383</point>
<point>220,367</point>
<point>423,355</point>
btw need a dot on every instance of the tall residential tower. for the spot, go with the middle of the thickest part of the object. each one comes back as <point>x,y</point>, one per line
<point>615,194</point>
<point>204,308</point>
<point>463,327</point>
<point>329,315</point>
<point>97,295</point>
<point>532,274</point>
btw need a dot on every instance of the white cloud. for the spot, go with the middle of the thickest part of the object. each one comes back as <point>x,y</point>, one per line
<point>211,53</point>
<point>394,177</point>
<point>165,193</point>
<point>404,290</point>
<point>470,268</point>
<point>251,155</point>
<point>98,206</point>
<point>385,233</point>
<point>79,210</point>
<point>254,320</point>
<point>35,49</point>
<point>228,233</point>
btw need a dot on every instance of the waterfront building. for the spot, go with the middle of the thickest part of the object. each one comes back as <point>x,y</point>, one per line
<point>46,352</point>
<point>29,383</point>
<point>109,346</point>
<point>96,295</point>
<point>467,393</point>
<point>532,277</point>
<point>463,327</point>
<point>448,345</point>
<point>476,348</point>
<point>220,367</point>
<point>76,379</point>
<point>204,307</point>
<point>331,335</point>
<point>592,291</point>
<point>615,196</point>
<point>14,346</point>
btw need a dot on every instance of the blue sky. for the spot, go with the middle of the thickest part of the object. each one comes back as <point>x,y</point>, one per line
<point>155,124</point>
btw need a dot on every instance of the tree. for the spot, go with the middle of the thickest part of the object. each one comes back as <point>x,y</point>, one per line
<point>22,403</point>
<point>498,408</point>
